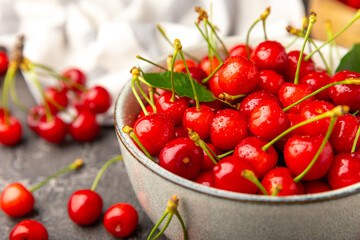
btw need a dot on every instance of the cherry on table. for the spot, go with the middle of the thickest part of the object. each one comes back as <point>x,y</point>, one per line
<point>53,130</point>
<point>199,120</point>
<point>10,130</point>
<point>173,109</point>
<point>121,219</point>
<point>317,80</point>
<point>29,230</point>
<point>305,66</point>
<point>84,127</point>
<point>270,81</point>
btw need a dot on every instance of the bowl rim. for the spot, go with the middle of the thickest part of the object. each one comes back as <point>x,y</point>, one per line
<point>210,191</point>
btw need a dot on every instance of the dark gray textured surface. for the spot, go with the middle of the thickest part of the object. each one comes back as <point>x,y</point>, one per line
<point>33,160</point>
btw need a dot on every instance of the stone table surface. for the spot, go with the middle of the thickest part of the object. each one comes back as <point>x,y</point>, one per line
<point>33,160</point>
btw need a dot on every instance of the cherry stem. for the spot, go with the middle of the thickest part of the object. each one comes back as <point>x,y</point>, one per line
<point>151,62</point>
<point>356,17</point>
<point>102,170</point>
<point>10,74</point>
<point>210,40</point>
<point>263,17</point>
<point>165,226</point>
<point>264,27</point>
<point>249,175</point>
<point>219,38</point>
<point>163,33</point>
<point>226,154</point>
<point>229,98</point>
<point>145,96</point>
<point>276,190</point>
<point>335,112</point>
<point>209,44</point>
<point>355,81</point>
<point>328,69</point>
<point>330,34</point>
<point>205,80</point>
<point>328,133</point>
<point>157,225</point>
<point>135,75</point>
<point>312,20</point>
<point>248,36</point>
<point>355,113</point>
<point>212,152</point>
<point>75,165</point>
<point>130,131</point>
<point>152,91</point>
<point>199,142</point>
<point>172,75</point>
<point>15,98</point>
<point>355,140</point>
<point>292,42</point>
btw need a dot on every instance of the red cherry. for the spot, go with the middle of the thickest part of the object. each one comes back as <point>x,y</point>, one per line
<point>282,178</point>
<point>317,80</point>
<point>84,207</point>
<point>214,85</point>
<point>270,55</point>
<point>58,96</point>
<point>84,127</point>
<point>157,93</point>
<point>155,126</point>
<point>249,149</point>
<point>29,230</point>
<point>173,109</point>
<point>76,77</point>
<point>34,116</point>
<point>270,81</point>
<point>311,110</point>
<point>180,132</point>
<point>53,131</point>
<point>293,119</point>
<point>10,131</point>
<point>208,164</point>
<point>240,50</point>
<point>182,157</point>
<point>227,175</point>
<point>179,65</point>
<point>343,134</point>
<point>16,200</point>
<point>268,121</point>
<point>149,109</point>
<point>238,75</point>
<point>205,64</point>
<point>205,178</point>
<point>299,152</point>
<point>305,66</point>
<point>196,73</point>
<point>290,93</point>
<point>316,186</point>
<point>199,120</point>
<point>345,170</point>
<point>345,94</point>
<point>353,3</point>
<point>97,100</point>
<point>228,128</point>
<point>255,99</point>
<point>4,62</point>
<point>121,219</point>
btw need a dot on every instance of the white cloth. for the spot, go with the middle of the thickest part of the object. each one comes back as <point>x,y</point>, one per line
<point>102,37</point>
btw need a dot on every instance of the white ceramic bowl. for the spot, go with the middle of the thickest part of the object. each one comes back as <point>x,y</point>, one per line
<point>211,213</point>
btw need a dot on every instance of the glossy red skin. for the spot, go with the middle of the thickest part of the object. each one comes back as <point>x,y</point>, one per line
<point>293,119</point>
<point>238,75</point>
<point>317,80</point>
<point>205,64</point>
<point>58,96</point>
<point>85,207</point>
<point>75,76</point>
<point>196,73</point>
<point>34,116</point>
<point>353,3</point>
<point>97,100</point>
<point>316,186</point>
<point>268,120</point>
<point>270,81</point>
<point>52,131</point>
<point>214,85</point>
<point>155,126</point>
<point>345,94</point>
<point>228,128</point>
<point>249,149</point>
<point>29,230</point>
<point>305,67</point>
<point>121,219</point>
<point>199,121</point>
<point>149,109</point>
<point>84,127</point>
<point>270,55</point>
<point>179,65</point>
<point>208,164</point>
<point>4,62</point>
<point>10,132</point>
<point>343,134</point>
<point>345,170</point>
<point>182,157</point>
<point>205,178</point>
<point>16,200</point>
<point>255,99</point>
<point>290,93</point>
<point>158,92</point>
<point>240,50</point>
<point>283,177</point>
<point>227,175</point>
<point>299,152</point>
<point>173,109</point>
<point>180,132</point>
<point>311,110</point>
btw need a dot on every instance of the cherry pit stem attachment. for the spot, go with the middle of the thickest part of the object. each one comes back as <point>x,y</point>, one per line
<point>249,175</point>
<point>197,140</point>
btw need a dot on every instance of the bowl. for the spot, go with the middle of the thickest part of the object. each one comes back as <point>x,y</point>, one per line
<point>211,213</point>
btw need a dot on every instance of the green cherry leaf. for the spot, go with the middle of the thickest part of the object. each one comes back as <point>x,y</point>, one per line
<point>351,61</point>
<point>182,85</point>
